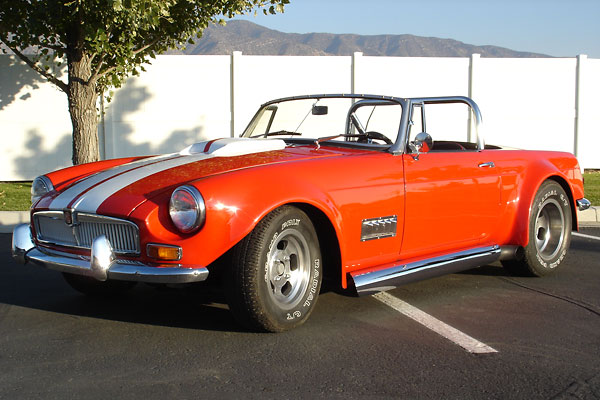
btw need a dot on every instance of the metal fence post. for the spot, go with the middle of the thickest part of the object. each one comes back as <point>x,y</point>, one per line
<point>579,85</point>
<point>235,64</point>
<point>473,63</point>
<point>356,60</point>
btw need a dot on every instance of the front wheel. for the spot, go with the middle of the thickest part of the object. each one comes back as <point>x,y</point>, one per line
<point>275,276</point>
<point>550,225</point>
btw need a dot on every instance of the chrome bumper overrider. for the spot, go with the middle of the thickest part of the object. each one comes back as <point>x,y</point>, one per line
<point>102,264</point>
<point>583,204</point>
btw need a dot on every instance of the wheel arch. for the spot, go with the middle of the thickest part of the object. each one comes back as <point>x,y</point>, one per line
<point>328,242</point>
<point>567,188</point>
<point>521,234</point>
<point>532,259</point>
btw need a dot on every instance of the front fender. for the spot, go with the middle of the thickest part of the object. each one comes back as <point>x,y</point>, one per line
<point>235,203</point>
<point>346,190</point>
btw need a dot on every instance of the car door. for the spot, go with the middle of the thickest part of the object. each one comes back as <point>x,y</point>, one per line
<point>452,194</point>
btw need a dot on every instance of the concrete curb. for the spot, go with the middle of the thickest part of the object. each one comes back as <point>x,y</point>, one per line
<point>591,216</point>
<point>10,219</point>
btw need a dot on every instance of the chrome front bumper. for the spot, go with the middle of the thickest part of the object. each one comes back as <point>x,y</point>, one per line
<point>102,264</point>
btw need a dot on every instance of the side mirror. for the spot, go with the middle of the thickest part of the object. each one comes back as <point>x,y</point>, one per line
<point>423,143</point>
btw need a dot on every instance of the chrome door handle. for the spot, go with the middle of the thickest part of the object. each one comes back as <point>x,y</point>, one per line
<point>487,165</point>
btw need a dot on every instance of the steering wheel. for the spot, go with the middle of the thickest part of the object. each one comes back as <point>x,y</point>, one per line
<point>375,136</point>
<point>365,136</point>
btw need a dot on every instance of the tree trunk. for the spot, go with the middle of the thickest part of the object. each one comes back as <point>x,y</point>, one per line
<point>82,107</point>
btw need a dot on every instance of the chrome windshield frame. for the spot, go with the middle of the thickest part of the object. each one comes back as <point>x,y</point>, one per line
<point>400,145</point>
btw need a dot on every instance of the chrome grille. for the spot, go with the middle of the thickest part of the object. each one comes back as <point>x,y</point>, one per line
<point>51,228</point>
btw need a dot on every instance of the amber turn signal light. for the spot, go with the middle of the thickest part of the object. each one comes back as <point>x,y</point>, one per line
<point>163,252</point>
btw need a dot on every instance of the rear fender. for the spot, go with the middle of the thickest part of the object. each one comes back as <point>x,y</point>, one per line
<point>537,173</point>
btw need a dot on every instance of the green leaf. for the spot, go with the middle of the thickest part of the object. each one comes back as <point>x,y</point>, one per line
<point>112,29</point>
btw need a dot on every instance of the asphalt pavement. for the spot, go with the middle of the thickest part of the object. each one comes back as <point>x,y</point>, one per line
<point>173,343</point>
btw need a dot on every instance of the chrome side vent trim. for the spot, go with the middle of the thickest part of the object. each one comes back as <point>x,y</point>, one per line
<point>378,228</point>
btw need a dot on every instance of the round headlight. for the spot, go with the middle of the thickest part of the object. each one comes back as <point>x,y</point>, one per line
<point>40,186</point>
<point>187,209</point>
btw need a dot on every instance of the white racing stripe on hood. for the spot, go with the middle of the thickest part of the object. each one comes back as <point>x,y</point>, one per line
<point>63,199</point>
<point>107,183</point>
<point>97,195</point>
<point>230,147</point>
<point>100,186</point>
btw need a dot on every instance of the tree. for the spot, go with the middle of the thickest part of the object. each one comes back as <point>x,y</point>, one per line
<point>103,42</point>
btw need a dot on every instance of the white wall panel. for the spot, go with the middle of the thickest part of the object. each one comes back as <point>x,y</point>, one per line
<point>178,100</point>
<point>413,76</point>
<point>589,125</point>
<point>526,103</point>
<point>263,78</point>
<point>35,127</point>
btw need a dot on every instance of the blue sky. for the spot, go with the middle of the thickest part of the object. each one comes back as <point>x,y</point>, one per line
<point>561,28</point>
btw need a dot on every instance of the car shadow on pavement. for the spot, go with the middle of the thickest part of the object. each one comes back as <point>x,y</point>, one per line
<point>143,305</point>
<point>494,269</point>
<point>584,245</point>
<point>190,308</point>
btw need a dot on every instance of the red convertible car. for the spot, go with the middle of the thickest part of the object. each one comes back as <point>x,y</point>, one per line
<point>369,192</point>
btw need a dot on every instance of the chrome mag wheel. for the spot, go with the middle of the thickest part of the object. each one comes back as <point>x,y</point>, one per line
<point>288,269</point>
<point>276,272</point>
<point>550,223</point>
<point>549,229</point>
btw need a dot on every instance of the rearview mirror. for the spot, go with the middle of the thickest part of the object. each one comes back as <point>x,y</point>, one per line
<point>320,110</point>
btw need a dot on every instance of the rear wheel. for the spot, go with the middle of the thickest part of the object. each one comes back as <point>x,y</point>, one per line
<point>549,233</point>
<point>275,275</point>
<point>93,287</point>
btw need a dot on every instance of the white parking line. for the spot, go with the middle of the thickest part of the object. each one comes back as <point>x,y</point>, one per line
<point>583,235</point>
<point>462,339</point>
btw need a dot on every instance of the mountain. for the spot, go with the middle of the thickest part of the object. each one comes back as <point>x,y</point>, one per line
<point>253,39</point>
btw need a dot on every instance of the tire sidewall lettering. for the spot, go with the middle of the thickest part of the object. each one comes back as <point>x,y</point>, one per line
<point>314,285</point>
<point>308,300</point>
<point>544,198</point>
<point>290,222</point>
<point>273,240</point>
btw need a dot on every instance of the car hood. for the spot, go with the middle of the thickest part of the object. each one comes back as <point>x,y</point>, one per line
<point>119,190</point>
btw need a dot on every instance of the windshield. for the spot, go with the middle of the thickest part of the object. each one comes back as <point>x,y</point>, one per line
<point>367,121</point>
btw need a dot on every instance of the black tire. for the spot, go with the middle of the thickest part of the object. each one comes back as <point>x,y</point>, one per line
<point>550,226</point>
<point>93,287</point>
<point>275,276</point>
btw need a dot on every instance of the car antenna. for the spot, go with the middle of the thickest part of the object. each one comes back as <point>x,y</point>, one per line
<point>306,116</point>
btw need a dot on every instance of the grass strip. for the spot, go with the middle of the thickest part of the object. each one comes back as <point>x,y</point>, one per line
<point>15,196</point>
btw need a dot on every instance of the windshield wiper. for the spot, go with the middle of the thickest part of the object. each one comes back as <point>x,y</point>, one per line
<point>326,138</point>
<point>278,133</point>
